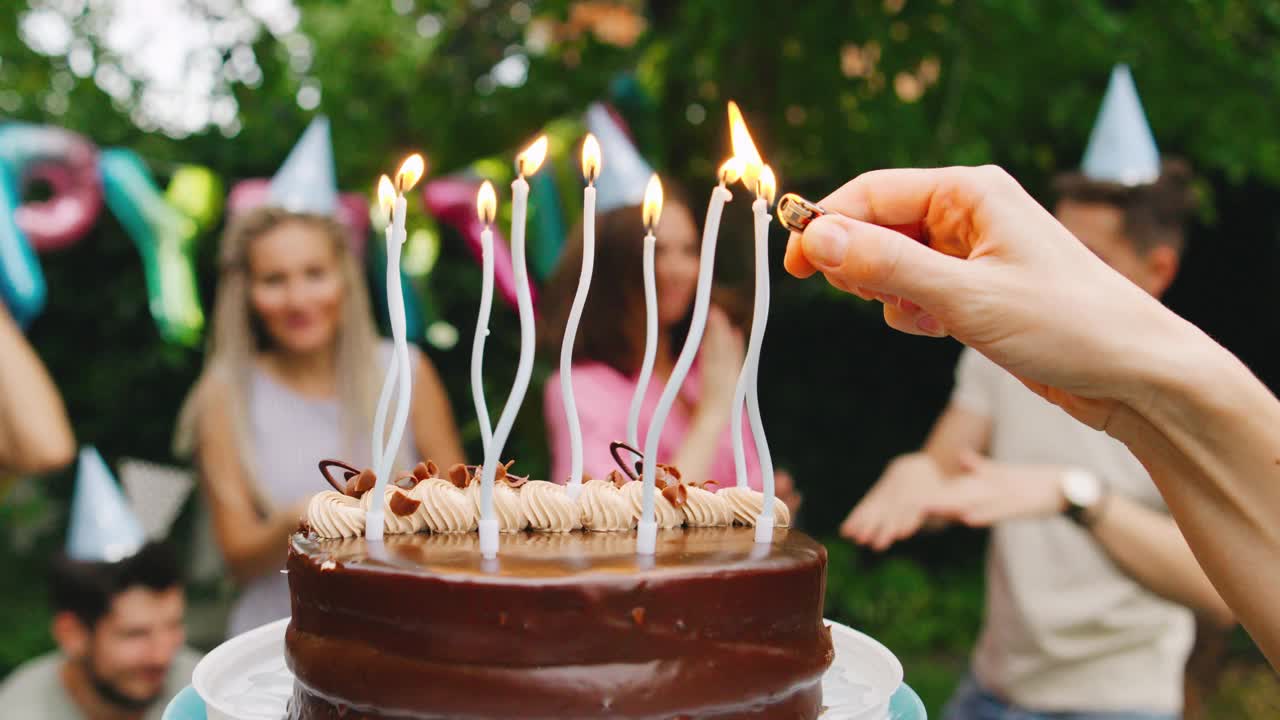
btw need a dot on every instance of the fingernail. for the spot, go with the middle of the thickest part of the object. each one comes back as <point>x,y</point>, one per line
<point>909,306</point>
<point>929,324</point>
<point>825,245</point>
<point>889,299</point>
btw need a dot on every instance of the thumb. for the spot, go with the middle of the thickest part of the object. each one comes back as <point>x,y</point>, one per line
<point>852,253</point>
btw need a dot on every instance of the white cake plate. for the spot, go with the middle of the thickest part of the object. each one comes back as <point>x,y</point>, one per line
<point>245,678</point>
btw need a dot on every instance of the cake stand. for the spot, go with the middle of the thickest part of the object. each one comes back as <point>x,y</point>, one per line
<point>245,678</point>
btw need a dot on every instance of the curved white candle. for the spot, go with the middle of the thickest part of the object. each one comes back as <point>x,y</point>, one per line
<point>751,366</point>
<point>571,333</point>
<point>650,341</point>
<point>482,331</point>
<point>395,309</point>
<point>647,529</point>
<point>388,383</point>
<point>489,523</point>
<point>744,379</point>
<point>748,377</point>
<point>735,421</point>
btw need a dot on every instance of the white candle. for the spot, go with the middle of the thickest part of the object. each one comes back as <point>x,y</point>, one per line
<point>389,382</point>
<point>410,171</point>
<point>647,528</point>
<point>590,170</point>
<point>751,365</point>
<point>650,341</point>
<point>651,213</point>
<point>758,178</point>
<point>486,208</point>
<point>748,383</point>
<point>527,163</point>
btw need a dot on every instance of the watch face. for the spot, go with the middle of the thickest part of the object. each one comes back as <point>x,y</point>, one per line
<point>1081,488</point>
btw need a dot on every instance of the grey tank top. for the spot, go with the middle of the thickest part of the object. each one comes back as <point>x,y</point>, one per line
<point>290,435</point>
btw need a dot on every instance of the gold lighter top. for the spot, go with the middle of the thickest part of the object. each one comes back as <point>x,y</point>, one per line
<point>795,213</point>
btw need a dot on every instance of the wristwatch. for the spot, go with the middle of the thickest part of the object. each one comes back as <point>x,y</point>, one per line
<point>1084,493</point>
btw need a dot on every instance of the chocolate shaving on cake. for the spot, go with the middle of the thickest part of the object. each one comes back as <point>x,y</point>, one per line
<point>361,483</point>
<point>460,475</point>
<point>403,505</point>
<point>426,470</point>
<point>617,478</point>
<point>676,494</point>
<point>463,475</point>
<point>348,472</point>
<point>634,474</point>
<point>666,477</point>
<point>504,474</point>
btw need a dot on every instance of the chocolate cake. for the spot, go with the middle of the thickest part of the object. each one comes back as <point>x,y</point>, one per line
<point>560,625</point>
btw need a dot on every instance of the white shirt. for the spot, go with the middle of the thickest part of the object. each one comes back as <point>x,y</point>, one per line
<point>1065,628</point>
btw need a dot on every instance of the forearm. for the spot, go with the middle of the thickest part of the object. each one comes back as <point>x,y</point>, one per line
<point>35,434</point>
<point>1148,546</point>
<point>260,548</point>
<point>1207,432</point>
<point>698,447</point>
<point>439,442</point>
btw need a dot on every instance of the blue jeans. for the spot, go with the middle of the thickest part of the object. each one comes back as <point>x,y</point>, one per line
<point>971,702</point>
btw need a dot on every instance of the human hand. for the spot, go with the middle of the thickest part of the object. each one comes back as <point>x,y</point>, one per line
<point>989,492</point>
<point>288,517</point>
<point>720,361</point>
<point>895,508</point>
<point>967,252</point>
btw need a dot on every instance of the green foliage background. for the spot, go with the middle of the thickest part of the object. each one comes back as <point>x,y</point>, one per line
<point>830,90</point>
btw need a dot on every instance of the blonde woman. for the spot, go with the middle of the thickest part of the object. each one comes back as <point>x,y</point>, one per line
<point>292,376</point>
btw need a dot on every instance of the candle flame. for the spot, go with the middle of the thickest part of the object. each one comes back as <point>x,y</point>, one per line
<point>386,197</point>
<point>768,185</point>
<point>731,170</point>
<point>744,147</point>
<point>652,210</point>
<point>486,203</point>
<point>590,158</point>
<point>410,172</point>
<point>530,159</point>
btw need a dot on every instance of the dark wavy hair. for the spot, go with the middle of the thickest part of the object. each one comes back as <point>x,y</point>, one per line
<point>86,589</point>
<point>1155,214</point>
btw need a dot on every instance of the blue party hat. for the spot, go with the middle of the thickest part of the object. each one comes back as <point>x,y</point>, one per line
<point>306,182</point>
<point>1121,147</point>
<point>103,526</point>
<point>623,173</point>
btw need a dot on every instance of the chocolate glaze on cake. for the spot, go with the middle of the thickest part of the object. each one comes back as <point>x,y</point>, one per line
<point>567,625</point>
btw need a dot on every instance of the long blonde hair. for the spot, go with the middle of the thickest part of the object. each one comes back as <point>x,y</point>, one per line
<point>237,336</point>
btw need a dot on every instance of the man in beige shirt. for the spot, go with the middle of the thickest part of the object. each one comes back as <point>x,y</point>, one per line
<point>1090,585</point>
<point>120,653</point>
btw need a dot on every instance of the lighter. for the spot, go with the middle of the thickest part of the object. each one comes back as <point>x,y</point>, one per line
<point>795,213</point>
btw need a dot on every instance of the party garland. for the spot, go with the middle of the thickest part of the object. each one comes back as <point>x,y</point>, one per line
<point>166,225</point>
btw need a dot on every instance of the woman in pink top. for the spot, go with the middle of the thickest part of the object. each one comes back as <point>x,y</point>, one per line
<point>610,348</point>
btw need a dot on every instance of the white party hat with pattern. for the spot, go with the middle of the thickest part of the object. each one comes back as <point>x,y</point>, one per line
<point>306,182</point>
<point>1121,147</point>
<point>103,526</point>
<point>157,493</point>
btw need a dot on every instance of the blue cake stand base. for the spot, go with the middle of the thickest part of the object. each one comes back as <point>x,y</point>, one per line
<point>905,705</point>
